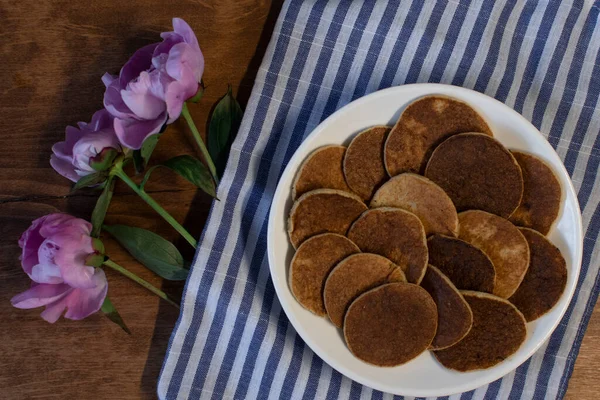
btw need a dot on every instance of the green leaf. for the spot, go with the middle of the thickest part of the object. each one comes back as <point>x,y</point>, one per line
<point>111,312</point>
<point>224,124</point>
<point>142,156</point>
<point>102,206</point>
<point>194,171</point>
<point>189,168</point>
<point>148,147</point>
<point>138,161</point>
<point>90,180</point>
<point>154,252</point>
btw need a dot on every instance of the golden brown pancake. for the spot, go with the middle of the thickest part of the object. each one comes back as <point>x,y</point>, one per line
<point>323,210</point>
<point>541,195</point>
<point>363,163</point>
<point>454,314</point>
<point>311,265</point>
<point>545,279</point>
<point>423,125</point>
<point>498,331</point>
<point>322,169</point>
<point>421,197</point>
<point>478,173</point>
<point>503,244</point>
<point>396,234</point>
<point>465,265</point>
<point>391,324</point>
<point>352,277</point>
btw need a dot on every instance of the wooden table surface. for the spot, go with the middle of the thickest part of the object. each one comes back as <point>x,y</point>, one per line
<point>54,53</point>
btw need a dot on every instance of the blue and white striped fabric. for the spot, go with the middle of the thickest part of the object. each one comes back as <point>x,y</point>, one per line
<point>540,57</point>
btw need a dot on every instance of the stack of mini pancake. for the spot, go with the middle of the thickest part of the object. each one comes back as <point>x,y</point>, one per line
<point>429,235</point>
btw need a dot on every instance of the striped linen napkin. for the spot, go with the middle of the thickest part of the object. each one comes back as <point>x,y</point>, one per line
<point>541,58</point>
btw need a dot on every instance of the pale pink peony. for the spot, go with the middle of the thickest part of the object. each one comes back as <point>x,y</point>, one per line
<point>89,148</point>
<point>55,249</point>
<point>153,85</point>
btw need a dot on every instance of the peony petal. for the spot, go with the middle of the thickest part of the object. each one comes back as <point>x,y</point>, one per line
<point>30,241</point>
<point>33,229</point>
<point>84,302</point>
<point>132,133</point>
<point>58,228</point>
<point>100,120</point>
<point>178,92</point>
<point>54,310</point>
<point>90,145</point>
<point>140,98</point>
<point>72,135</point>
<point>61,151</point>
<point>70,258</point>
<point>46,273</point>
<point>81,160</point>
<point>64,168</point>
<point>114,103</point>
<point>182,28</point>
<point>77,276</point>
<point>175,99</point>
<point>170,39</point>
<point>108,79</point>
<point>140,61</point>
<point>61,223</point>
<point>40,295</point>
<point>183,55</point>
<point>47,252</point>
<point>64,150</point>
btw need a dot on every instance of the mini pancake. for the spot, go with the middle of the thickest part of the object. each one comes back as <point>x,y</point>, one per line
<point>478,173</point>
<point>391,324</point>
<point>322,169</point>
<point>502,242</point>
<point>454,314</point>
<point>465,265</point>
<point>311,265</point>
<point>421,197</point>
<point>423,125</point>
<point>363,163</point>
<point>323,210</point>
<point>352,277</point>
<point>396,234</point>
<point>541,195</point>
<point>498,331</point>
<point>545,279</point>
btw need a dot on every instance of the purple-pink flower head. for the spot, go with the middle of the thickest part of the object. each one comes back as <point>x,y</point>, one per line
<point>55,250</point>
<point>153,85</point>
<point>89,148</point>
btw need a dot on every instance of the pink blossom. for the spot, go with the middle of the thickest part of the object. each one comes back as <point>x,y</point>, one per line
<point>55,249</point>
<point>153,85</point>
<point>89,148</point>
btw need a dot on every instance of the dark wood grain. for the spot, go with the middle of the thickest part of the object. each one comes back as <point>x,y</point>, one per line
<point>54,53</point>
<point>58,51</point>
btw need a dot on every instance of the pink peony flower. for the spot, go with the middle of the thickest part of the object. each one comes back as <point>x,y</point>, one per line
<point>91,148</point>
<point>153,85</point>
<point>55,250</point>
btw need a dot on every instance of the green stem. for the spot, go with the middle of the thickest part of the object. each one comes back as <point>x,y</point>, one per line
<point>140,281</point>
<point>190,121</point>
<point>99,212</point>
<point>117,171</point>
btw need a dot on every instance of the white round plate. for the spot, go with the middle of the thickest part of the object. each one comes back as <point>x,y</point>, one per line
<point>423,376</point>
